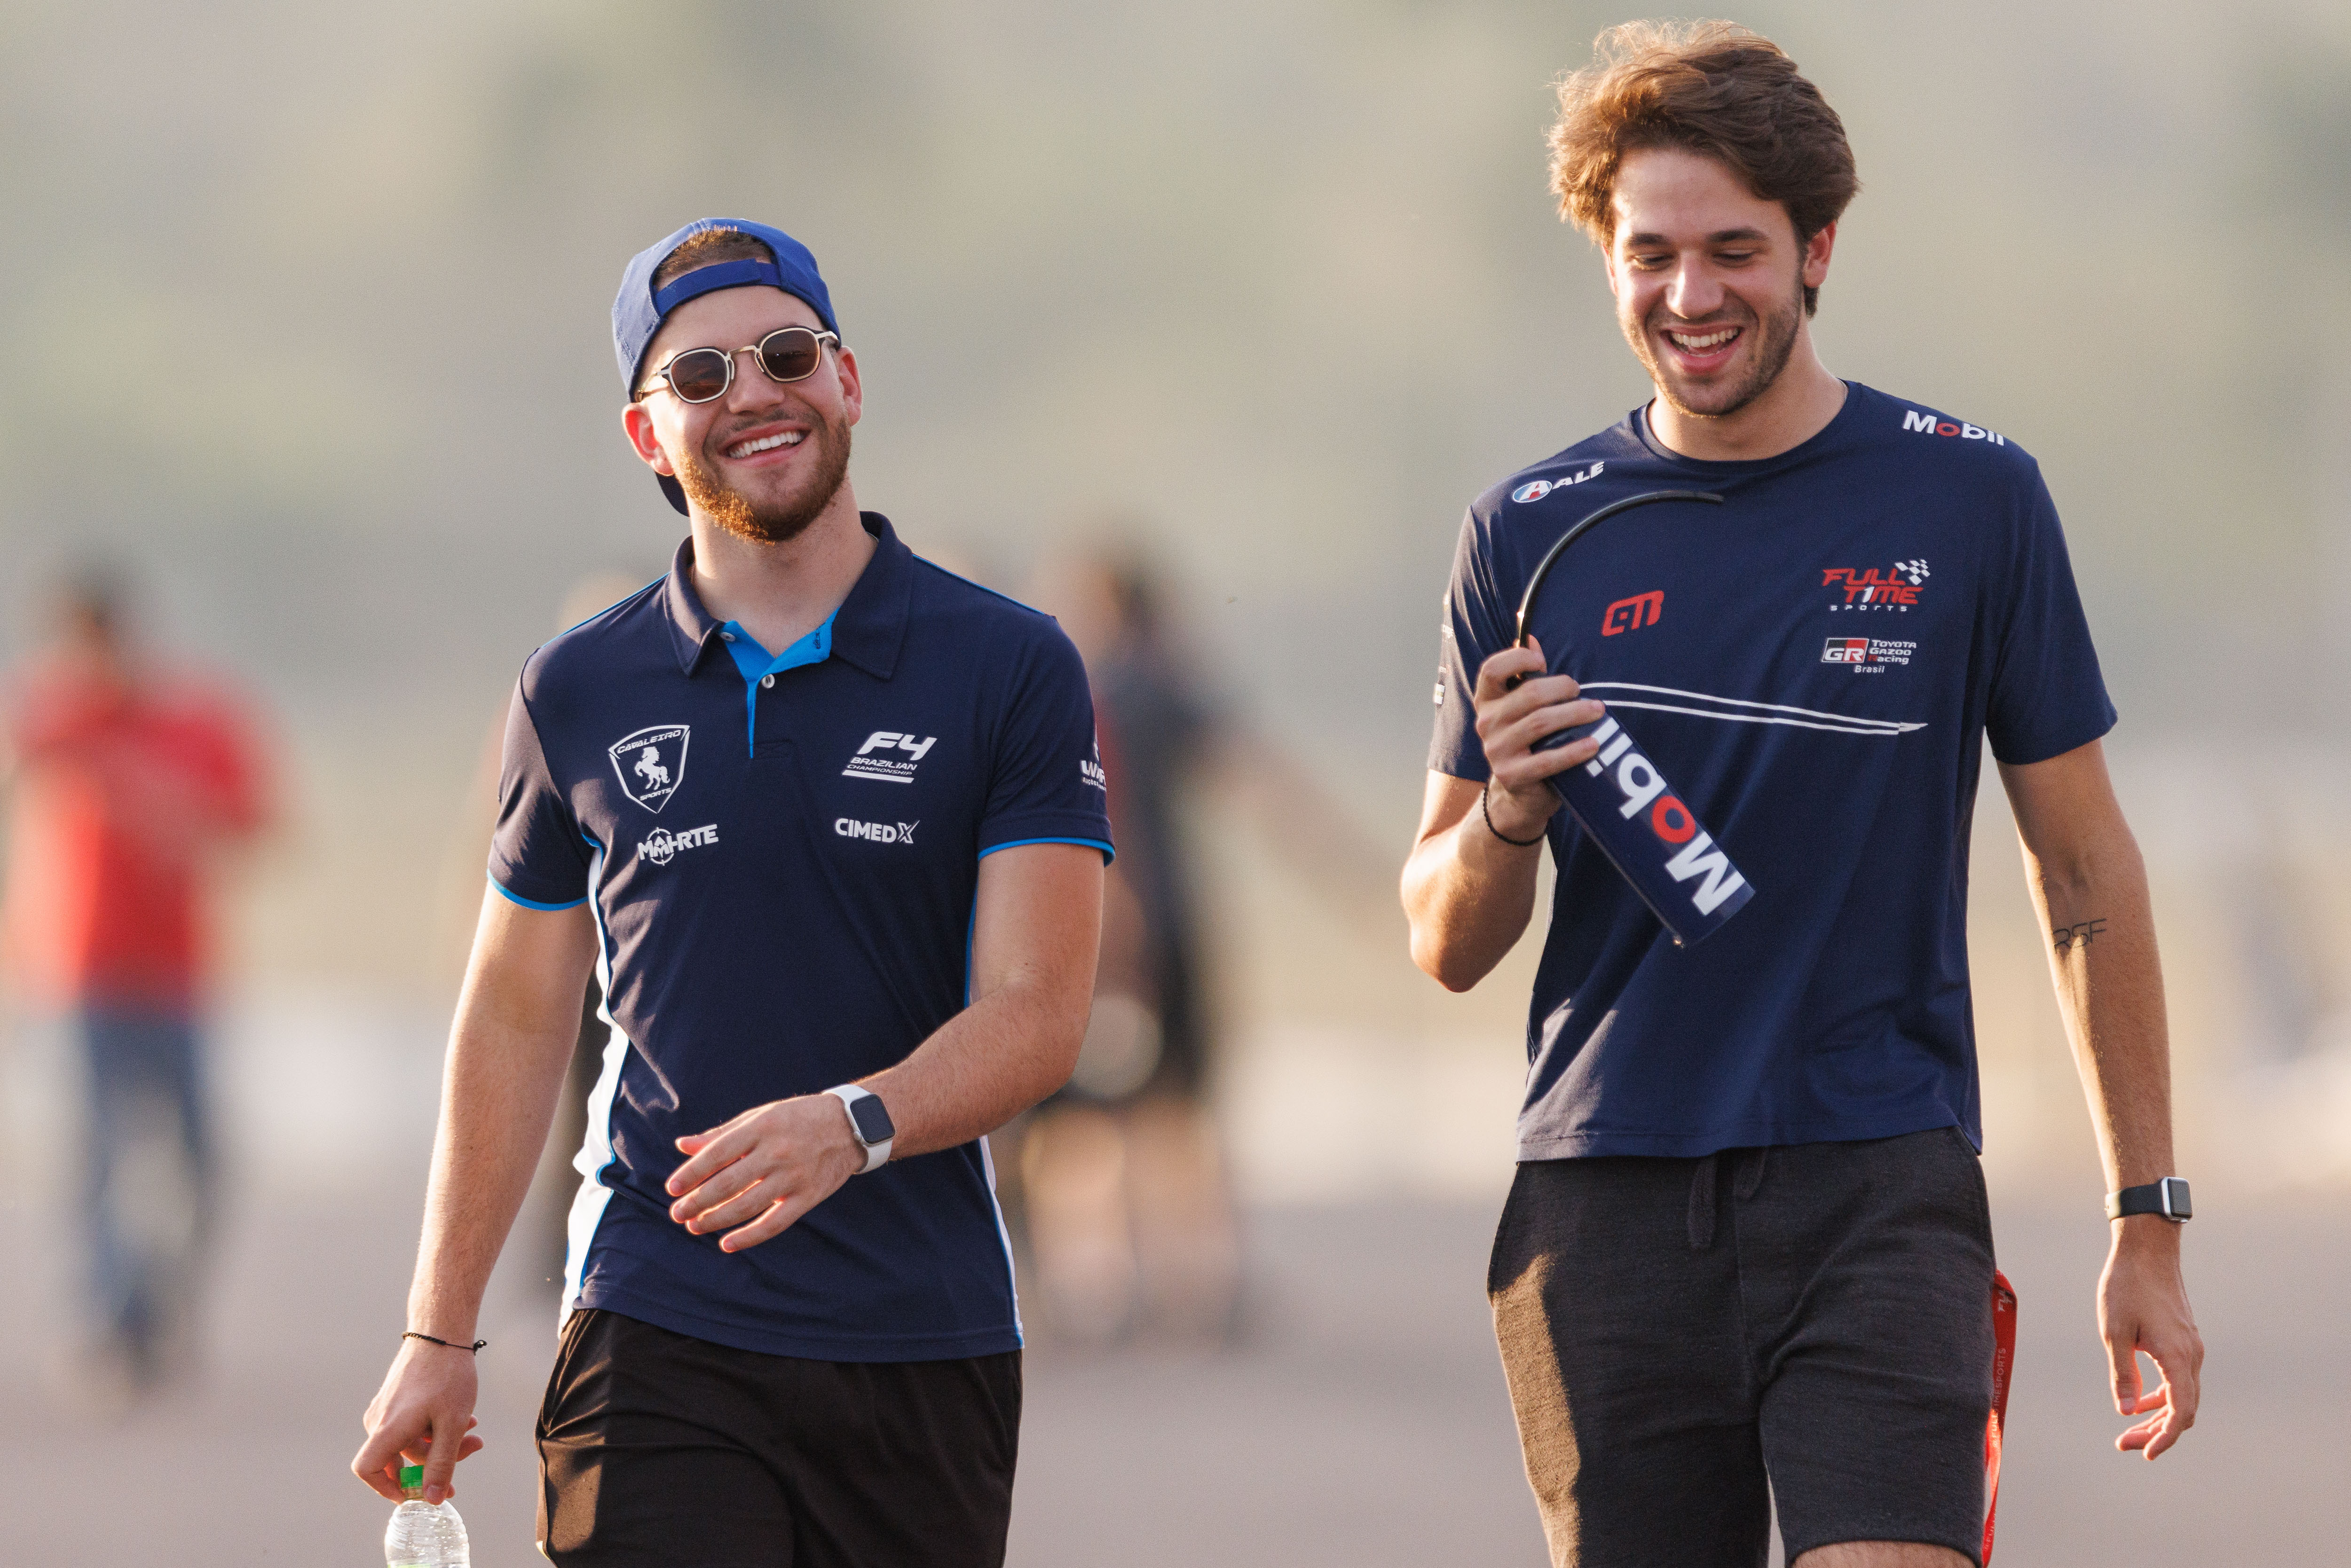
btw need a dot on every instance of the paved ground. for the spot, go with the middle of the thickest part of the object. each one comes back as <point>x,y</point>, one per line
<point>1364,1421</point>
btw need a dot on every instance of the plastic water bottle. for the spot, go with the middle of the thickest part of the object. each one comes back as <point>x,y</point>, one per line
<point>423,1534</point>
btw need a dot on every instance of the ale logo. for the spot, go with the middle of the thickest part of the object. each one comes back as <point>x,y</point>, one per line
<point>1532,490</point>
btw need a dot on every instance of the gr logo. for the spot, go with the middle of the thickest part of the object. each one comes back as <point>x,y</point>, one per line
<point>876,832</point>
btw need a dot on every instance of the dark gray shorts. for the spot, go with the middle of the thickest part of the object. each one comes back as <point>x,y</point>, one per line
<point>1688,1340</point>
<point>657,1450</point>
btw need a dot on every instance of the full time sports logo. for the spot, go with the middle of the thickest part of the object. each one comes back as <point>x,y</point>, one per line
<point>1898,586</point>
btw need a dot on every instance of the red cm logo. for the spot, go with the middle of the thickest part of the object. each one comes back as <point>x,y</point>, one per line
<point>1632,614</point>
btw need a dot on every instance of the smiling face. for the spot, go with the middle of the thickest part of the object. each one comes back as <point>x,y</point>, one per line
<point>764,459</point>
<point>1710,280</point>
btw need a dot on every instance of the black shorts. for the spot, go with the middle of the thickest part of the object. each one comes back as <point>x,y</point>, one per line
<point>657,1450</point>
<point>1688,1340</point>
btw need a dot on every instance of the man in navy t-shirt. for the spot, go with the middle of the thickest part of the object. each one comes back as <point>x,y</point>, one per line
<point>831,824</point>
<point>1747,1254</point>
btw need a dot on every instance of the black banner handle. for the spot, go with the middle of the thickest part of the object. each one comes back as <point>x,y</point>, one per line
<point>1585,526</point>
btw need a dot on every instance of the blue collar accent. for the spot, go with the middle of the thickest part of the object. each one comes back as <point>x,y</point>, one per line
<point>757,667</point>
<point>873,619</point>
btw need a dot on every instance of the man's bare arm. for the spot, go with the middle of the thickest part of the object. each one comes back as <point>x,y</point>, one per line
<point>517,1021</point>
<point>2090,886</point>
<point>1467,894</point>
<point>1036,931</point>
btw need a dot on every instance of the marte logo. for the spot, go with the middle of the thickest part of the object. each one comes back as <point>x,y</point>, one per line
<point>660,846</point>
<point>889,757</point>
<point>1897,588</point>
<point>1927,424</point>
<point>1632,614</point>
<point>876,832</point>
<point>1536,489</point>
<point>651,764</point>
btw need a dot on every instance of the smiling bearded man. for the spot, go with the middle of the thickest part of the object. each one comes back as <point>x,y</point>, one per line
<point>789,1331</point>
<point>1746,1257</point>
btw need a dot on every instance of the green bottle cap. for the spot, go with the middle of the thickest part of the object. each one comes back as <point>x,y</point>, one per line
<point>412,1477</point>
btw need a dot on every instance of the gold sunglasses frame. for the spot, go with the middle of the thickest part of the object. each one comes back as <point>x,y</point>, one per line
<point>661,376</point>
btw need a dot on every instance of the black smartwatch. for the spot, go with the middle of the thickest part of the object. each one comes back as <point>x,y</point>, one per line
<point>2168,1197</point>
<point>868,1123</point>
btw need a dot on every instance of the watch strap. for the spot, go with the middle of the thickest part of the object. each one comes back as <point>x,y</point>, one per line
<point>876,1155</point>
<point>2168,1197</point>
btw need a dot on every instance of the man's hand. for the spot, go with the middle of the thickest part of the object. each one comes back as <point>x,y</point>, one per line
<point>1510,721</point>
<point>2143,1306</point>
<point>763,1170</point>
<point>424,1415</point>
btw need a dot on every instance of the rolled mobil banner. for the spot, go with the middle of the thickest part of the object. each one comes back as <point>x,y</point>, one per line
<point>1625,806</point>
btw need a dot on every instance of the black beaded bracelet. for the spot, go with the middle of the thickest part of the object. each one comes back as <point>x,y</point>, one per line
<point>445,1345</point>
<point>1489,815</point>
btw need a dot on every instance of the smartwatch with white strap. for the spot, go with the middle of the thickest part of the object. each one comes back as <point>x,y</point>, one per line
<point>868,1123</point>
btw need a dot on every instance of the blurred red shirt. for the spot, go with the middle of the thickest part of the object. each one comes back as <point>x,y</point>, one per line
<point>124,794</point>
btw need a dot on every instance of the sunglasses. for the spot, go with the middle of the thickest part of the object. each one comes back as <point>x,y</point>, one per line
<point>787,354</point>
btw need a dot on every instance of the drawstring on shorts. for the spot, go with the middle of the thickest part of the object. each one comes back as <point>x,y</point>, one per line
<point>1747,1178</point>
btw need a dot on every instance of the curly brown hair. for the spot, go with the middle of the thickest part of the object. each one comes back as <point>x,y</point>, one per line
<point>1712,88</point>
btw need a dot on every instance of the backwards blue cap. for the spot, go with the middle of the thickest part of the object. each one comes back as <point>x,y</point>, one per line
<point>638,312</point>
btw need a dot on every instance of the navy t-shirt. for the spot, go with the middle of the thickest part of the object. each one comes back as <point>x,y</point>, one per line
<point>782,853</point>
<point>1813,665</point>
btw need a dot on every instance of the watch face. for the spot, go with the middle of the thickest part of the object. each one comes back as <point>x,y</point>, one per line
<point>2175,1192</point>
<point>873,1122</point>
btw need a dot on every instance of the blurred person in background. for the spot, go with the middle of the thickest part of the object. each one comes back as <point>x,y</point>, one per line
<point>131,784</point>
<point>1747,1259</point>
<point>1121,1185</point>
<point>860,938</point>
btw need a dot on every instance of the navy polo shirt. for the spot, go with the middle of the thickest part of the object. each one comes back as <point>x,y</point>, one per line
<point>1813,665</point>
<point>782,851</point>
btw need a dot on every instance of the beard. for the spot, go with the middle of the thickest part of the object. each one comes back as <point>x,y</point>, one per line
<point>1774,340</point>
<point>773,522</point>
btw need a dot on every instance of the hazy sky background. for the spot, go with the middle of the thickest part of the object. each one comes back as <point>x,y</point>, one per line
<point>309,320</point>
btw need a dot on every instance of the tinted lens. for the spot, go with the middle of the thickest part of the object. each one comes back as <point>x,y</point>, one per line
<point>791,354</point>
<point>698,374</point>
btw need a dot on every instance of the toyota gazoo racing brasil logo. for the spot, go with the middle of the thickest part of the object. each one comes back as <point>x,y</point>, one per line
<point>660,846</point>
<point>889,757</point>
<point>1867,655</point>
<point>1536,489</point>
<point>875,832</point>
<point>651,764</point>
<point>1898,586</point>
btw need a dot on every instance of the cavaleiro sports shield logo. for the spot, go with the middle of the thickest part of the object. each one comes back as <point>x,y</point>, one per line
<point>651,764</point>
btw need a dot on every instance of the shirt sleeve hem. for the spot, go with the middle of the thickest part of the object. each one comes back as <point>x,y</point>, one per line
<point>2025,756</point>
<point>1108,853</point>
<point>514,898</point>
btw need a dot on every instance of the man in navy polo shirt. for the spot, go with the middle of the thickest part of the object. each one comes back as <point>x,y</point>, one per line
<point>830,822</point>
<point>1747,1255</point>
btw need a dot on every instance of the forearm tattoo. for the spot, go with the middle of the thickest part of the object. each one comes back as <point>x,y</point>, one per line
<point>2064,938</point>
